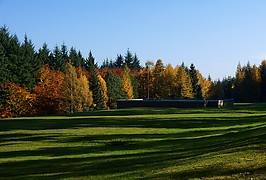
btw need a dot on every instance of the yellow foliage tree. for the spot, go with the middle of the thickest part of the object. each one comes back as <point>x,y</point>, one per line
<point>127,83</point>
<point>75,96</point>
<point>103,91</point>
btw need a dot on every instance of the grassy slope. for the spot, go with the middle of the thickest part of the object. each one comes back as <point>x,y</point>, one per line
<point>132,143</point>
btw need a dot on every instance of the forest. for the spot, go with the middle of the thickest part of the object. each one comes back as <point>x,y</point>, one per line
<point>42,82</point>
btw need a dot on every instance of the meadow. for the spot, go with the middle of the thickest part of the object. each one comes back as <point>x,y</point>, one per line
<point>146,143</point>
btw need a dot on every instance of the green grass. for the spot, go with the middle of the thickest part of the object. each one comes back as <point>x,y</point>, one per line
<point>147,143</point>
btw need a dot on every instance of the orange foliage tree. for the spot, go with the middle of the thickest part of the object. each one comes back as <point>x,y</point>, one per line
<point>48,91</point>
<point>18,101</point>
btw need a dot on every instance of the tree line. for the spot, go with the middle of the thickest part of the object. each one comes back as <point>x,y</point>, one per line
<point>63,81</point>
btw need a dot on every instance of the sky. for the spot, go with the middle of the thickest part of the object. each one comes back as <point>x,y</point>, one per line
<point>214,35</point>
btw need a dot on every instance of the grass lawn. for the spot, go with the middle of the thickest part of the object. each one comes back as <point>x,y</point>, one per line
<point>148,143</point>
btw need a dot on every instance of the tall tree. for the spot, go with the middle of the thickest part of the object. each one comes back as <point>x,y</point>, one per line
<point>75,58</point>
<point>30,68</point>
<point>115,89</point>
<point>196,88</point>
<point>126,80</point>
<point>169,81</point>
<point>43,55</point>
<point>158,82</point>
<point>184,85</point>
<point>135,62</point>
<point>119,61</point>
<point>103,92</point>
<point>262,69</point>
<point>239,91</point>
<point>129,59</point>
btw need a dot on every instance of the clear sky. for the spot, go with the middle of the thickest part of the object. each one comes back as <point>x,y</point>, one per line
<point>215,35</point>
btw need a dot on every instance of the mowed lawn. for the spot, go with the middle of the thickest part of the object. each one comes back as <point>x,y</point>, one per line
<point>148,143</point>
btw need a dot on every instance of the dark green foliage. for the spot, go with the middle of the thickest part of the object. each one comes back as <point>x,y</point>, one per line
<point>196,88</point>
<point>43,55</point>
<point>135,63</point>
<point>129,59</point>
<point>228,87</point>
<point>76,57</point>
<point>90,62</point>
<point>134,82</point>
<point>263,80</point>
<point>119,61</point>
<point>95,85</point>
<point>115,89</point>
<point>5,73</point>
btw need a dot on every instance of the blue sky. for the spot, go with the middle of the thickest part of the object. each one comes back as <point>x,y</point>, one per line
<point>213,34</point>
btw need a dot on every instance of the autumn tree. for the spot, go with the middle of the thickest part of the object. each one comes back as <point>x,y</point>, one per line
<point>184,85</point>
<point>103,91</point>
<point>75,95</point>
<point>48,91</point>
<point>169,81</point>
<point>18,101</point>
<point>158,82</point>
<point>126,80</point>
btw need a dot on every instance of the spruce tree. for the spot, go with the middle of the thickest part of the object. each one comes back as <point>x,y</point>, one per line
<point>129,59</point>
<point>95,85</point>
<point>119,61</point>
<point>135,63</point>
<point>196,88</point>
<point>263,80</point>
<point>115,89</point>
<point>43,55</point>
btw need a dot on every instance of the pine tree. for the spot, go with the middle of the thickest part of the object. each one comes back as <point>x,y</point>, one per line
<point>31,65</point>
<point>129,59</point>
<point>43,55</point>
<point>95,85</point>
<point>5,73</point>
<point>119,61</point>
<point>135,63</point>
<point>115,89</point>
<point>263,80</point>
<point>196,88</point>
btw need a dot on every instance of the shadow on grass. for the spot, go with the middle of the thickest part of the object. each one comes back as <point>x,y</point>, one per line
<point>128,155</point>
<point>160,151</point>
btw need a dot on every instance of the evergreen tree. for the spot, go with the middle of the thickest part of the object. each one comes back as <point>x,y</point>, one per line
<point>262,69</point>
<point>75,58</point>
<point>115,89</point>
<point>90,62</point>
<point>5,73</point>
<point>134,82</point>
<point>43,55</point>
<point>196,88</point>
<point>119,61</point>
<point>129,59</point>
<point>135,63</point>
<point>95,85</point>
<point>216,90</point>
